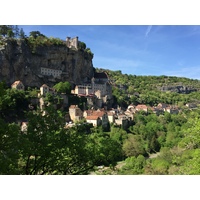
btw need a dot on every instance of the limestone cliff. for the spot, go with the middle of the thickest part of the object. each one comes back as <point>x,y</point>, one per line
<point>18,62</point>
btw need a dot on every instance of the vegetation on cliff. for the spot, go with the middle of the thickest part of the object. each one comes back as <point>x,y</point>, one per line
<point>36,39</point>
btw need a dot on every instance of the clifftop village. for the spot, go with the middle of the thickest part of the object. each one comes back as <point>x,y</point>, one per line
<point>98,94</point>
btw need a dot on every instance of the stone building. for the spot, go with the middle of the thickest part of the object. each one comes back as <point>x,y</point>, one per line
<point>75,113</point>
<point>93,119</point>
<point>44,89</point>
<point>17,85</point>
<point>99,86</point>
<point>72,42</point>
<point>51,72</point>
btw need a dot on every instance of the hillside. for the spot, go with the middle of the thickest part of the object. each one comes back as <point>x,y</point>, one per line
<point>152,90</point>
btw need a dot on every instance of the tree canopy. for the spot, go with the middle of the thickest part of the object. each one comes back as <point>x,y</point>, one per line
<point>63,87</point>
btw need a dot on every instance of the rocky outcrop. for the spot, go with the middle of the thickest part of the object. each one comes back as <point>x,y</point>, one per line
<point>178,88</point>
<point>18,62</point>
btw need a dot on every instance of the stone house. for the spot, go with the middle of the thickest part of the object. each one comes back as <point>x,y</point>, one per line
<point>102,114</point>
<point>75,113</point>
<point>18,85</point>
<point>98,86</point>
<point>123,121</point>
<point>130,111</point>
<point>93,119</point>
<point>157,110</point>
<point>172,110</point>
<point>111,117</point>
<point>163,105</point>
<point>191,105</point>
<point>141,107</point>
<point>44,89</point>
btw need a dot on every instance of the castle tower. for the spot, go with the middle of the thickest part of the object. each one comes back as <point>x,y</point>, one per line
<point>76,42</point>
<point>72,42</point>
<point>68,41</point>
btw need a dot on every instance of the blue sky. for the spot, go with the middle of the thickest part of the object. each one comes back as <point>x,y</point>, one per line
<point>172,50</point>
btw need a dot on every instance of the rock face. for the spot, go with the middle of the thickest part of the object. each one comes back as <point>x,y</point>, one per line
<point>179,89</point>
<point>17,62</point>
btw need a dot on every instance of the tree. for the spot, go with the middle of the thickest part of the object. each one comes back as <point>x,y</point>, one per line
<point>16,31</point>
<point>107,151</point>
<point>49,148</point>
<point>191,164</point>
<point>6,30</point>
<point>133,146</point>
<point>133,165</point>
<point>22,34</point>
<point>36,34</point>
<point>9,148</point>
<point>10,33</point>
<point>63,87</point>
<point>82,45</point>
<point>192,136</point>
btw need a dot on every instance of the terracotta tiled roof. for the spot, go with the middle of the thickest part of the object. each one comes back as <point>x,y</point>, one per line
<point>92,117</point>
<point>98,113</point>
<point>141,106</point>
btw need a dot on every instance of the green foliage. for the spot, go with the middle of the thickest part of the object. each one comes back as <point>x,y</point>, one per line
<point>191,165</point>
<point>36,34</point>
<point>13,103</point>
<point>133,166</point>
<point>49,148</point>
<point>192,135</point>
<point>81,45</point>
<point>118,134</point>
<point>9,148</point>
<point>11,31</point>
<point>106,150</point>
<point>36,39</point>
<point>127,87</point>
<point>75,100</point>
<point>134,146</point>
<point>6,30</point>
<point>63,87</point>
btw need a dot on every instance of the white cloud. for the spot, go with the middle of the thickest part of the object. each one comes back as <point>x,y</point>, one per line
<point>148,30</point>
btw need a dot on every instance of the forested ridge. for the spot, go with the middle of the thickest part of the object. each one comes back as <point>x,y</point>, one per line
<point>151,90</point>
